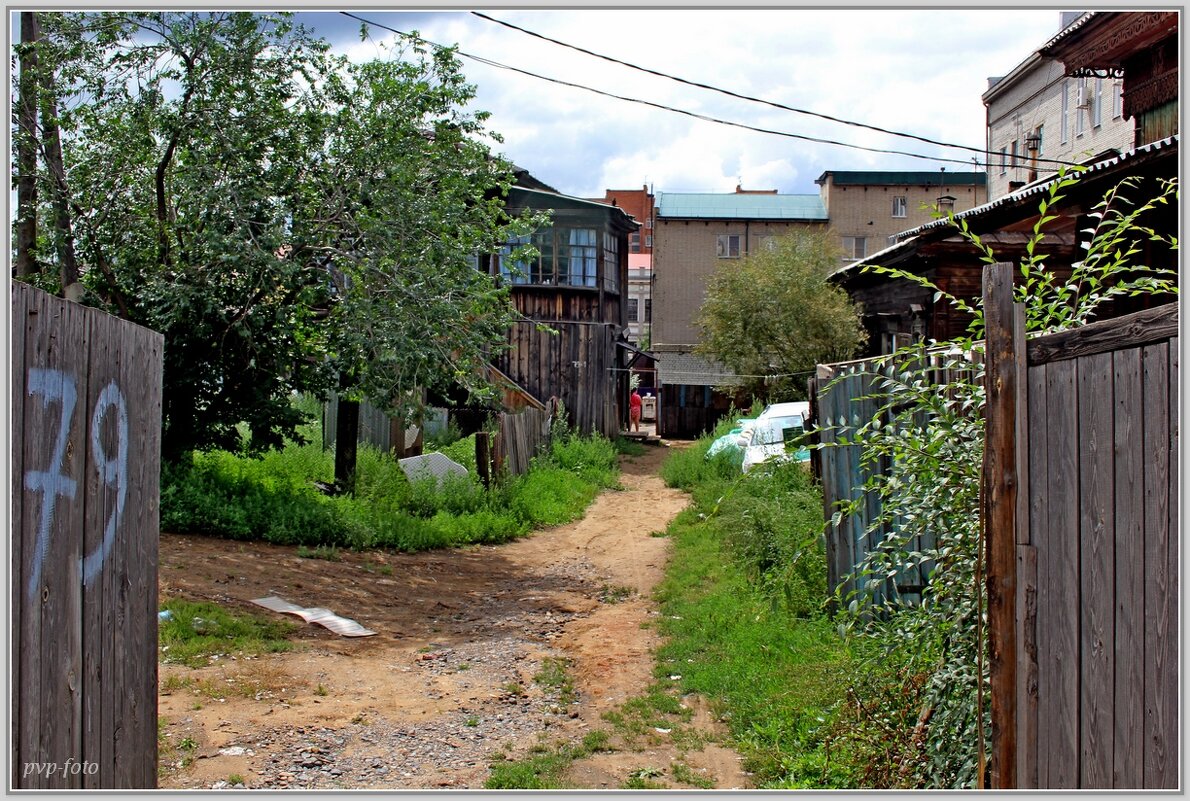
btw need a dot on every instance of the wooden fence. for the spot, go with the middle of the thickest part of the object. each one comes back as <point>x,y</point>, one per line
<point>844,397</point>
<point>1081,489</point>
<point>376,428</point>
<point>86,441</point>
<point>521,437</point>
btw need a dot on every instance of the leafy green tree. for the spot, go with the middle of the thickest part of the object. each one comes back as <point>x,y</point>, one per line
<point>774,313</point>
<point>290,222</point>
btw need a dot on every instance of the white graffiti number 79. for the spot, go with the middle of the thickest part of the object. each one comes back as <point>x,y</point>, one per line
<point>55,385</point>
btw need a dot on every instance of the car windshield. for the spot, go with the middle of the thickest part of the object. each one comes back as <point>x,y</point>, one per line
<point>777,430</point>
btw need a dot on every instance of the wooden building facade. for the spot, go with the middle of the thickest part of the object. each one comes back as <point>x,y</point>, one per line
<point>898,311</point>
<point>571,301</point>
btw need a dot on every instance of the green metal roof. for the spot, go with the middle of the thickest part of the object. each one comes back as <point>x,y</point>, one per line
<point>921,178</point>
<point>739,206</point>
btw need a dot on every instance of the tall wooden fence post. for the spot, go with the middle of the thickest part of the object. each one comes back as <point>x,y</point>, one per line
<point>483,457</point>
<point>86,450</point>
<point>1000,468</point>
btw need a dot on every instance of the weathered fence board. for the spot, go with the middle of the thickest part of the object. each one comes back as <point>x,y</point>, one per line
<point>1096,522</point>
<point>1129,567</point>
<point>1059,596</point>
<point>86,436</point>
<point>521,437</point>
<point>1101,418</point>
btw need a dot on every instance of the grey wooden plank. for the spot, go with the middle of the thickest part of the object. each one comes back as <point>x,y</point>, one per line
<point>1169,689</point>
<point>144,559</point>
<point>1129,459</point>
<point>21,295</point>
<point>1058,553</point>
<point>98,654</point>
<point>1096,519</point>
<point>1026,677</point>
<point>1158,604</point>
<point>1132,330</point>
<point>1037,497</point>
<point>53,487</point>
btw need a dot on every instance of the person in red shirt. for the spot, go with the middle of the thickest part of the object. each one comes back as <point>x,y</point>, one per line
<point>634,404</point>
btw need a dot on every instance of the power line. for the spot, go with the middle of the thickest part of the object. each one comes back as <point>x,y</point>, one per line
<point>704,117</point>
<point>727,92</point>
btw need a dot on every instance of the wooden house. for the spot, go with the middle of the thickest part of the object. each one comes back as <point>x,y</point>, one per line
<point>898,311</point>
<point>568,343</point>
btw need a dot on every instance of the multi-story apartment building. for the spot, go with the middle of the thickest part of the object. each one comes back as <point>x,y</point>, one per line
<point>1039,117</point>
<point>867,209</point>
<point>695,234</point>
<point>640,298</point>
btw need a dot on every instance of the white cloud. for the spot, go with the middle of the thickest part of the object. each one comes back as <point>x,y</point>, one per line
<point>915,71</point>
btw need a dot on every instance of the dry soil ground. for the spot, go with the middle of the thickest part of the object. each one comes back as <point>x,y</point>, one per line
<point>454,677</point>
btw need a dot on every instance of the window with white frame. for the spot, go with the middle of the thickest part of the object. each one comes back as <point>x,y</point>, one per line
<point>1065,112</point>
<point>900,206</point>
<point>611,262</point>
<point>855,248</point>
<point>1117,100</point>
<point>634,242</point>
<point>727,246</point>
<point>564,256</point>
<point>633,305</point>
<point>1003,160</point>
<point>1015,151</point>
<point>648,240</point>
<point>1097,104</point>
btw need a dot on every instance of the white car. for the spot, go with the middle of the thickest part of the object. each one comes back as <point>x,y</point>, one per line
<point>769,437</point>
<point>791,409</point>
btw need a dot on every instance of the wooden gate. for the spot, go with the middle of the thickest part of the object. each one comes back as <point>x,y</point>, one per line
<point>1081,488</point>
<point>86,443</point>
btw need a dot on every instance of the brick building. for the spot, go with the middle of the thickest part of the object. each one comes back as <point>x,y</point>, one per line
<point>640,205</point>
<point>1037,115</point>
<point>695,234</point>
<point>866,209</point>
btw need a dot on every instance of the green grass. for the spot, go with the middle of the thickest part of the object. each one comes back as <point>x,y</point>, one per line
<point>329,553</point>
<point>554,674</point>
<point>196,631</point>
<point>275,498</point>
<point>630,447</point>
<point>741,610</point>
<point>544,768</point>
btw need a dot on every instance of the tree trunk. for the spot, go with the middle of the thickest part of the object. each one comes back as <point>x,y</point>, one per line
<point>67,263</point>
<point>27,149</point>
<point>346,444</point>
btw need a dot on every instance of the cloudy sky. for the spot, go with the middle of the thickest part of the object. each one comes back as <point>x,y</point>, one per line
<point>919,72</point>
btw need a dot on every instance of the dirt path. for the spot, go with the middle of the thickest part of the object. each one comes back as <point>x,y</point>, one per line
<point>490,651</point>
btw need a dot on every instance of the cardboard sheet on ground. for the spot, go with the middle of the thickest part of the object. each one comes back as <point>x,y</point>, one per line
<point>344,627</point>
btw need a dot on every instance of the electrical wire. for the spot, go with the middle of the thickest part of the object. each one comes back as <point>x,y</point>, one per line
<point>704,117</point>
<point>727,92</point>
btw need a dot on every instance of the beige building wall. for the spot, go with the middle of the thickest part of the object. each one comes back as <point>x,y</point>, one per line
<point>866,212</point>
<point>1078,118</point>
<point>687,253</point>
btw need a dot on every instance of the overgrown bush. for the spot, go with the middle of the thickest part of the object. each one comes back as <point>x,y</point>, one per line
<point>276,499</point>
